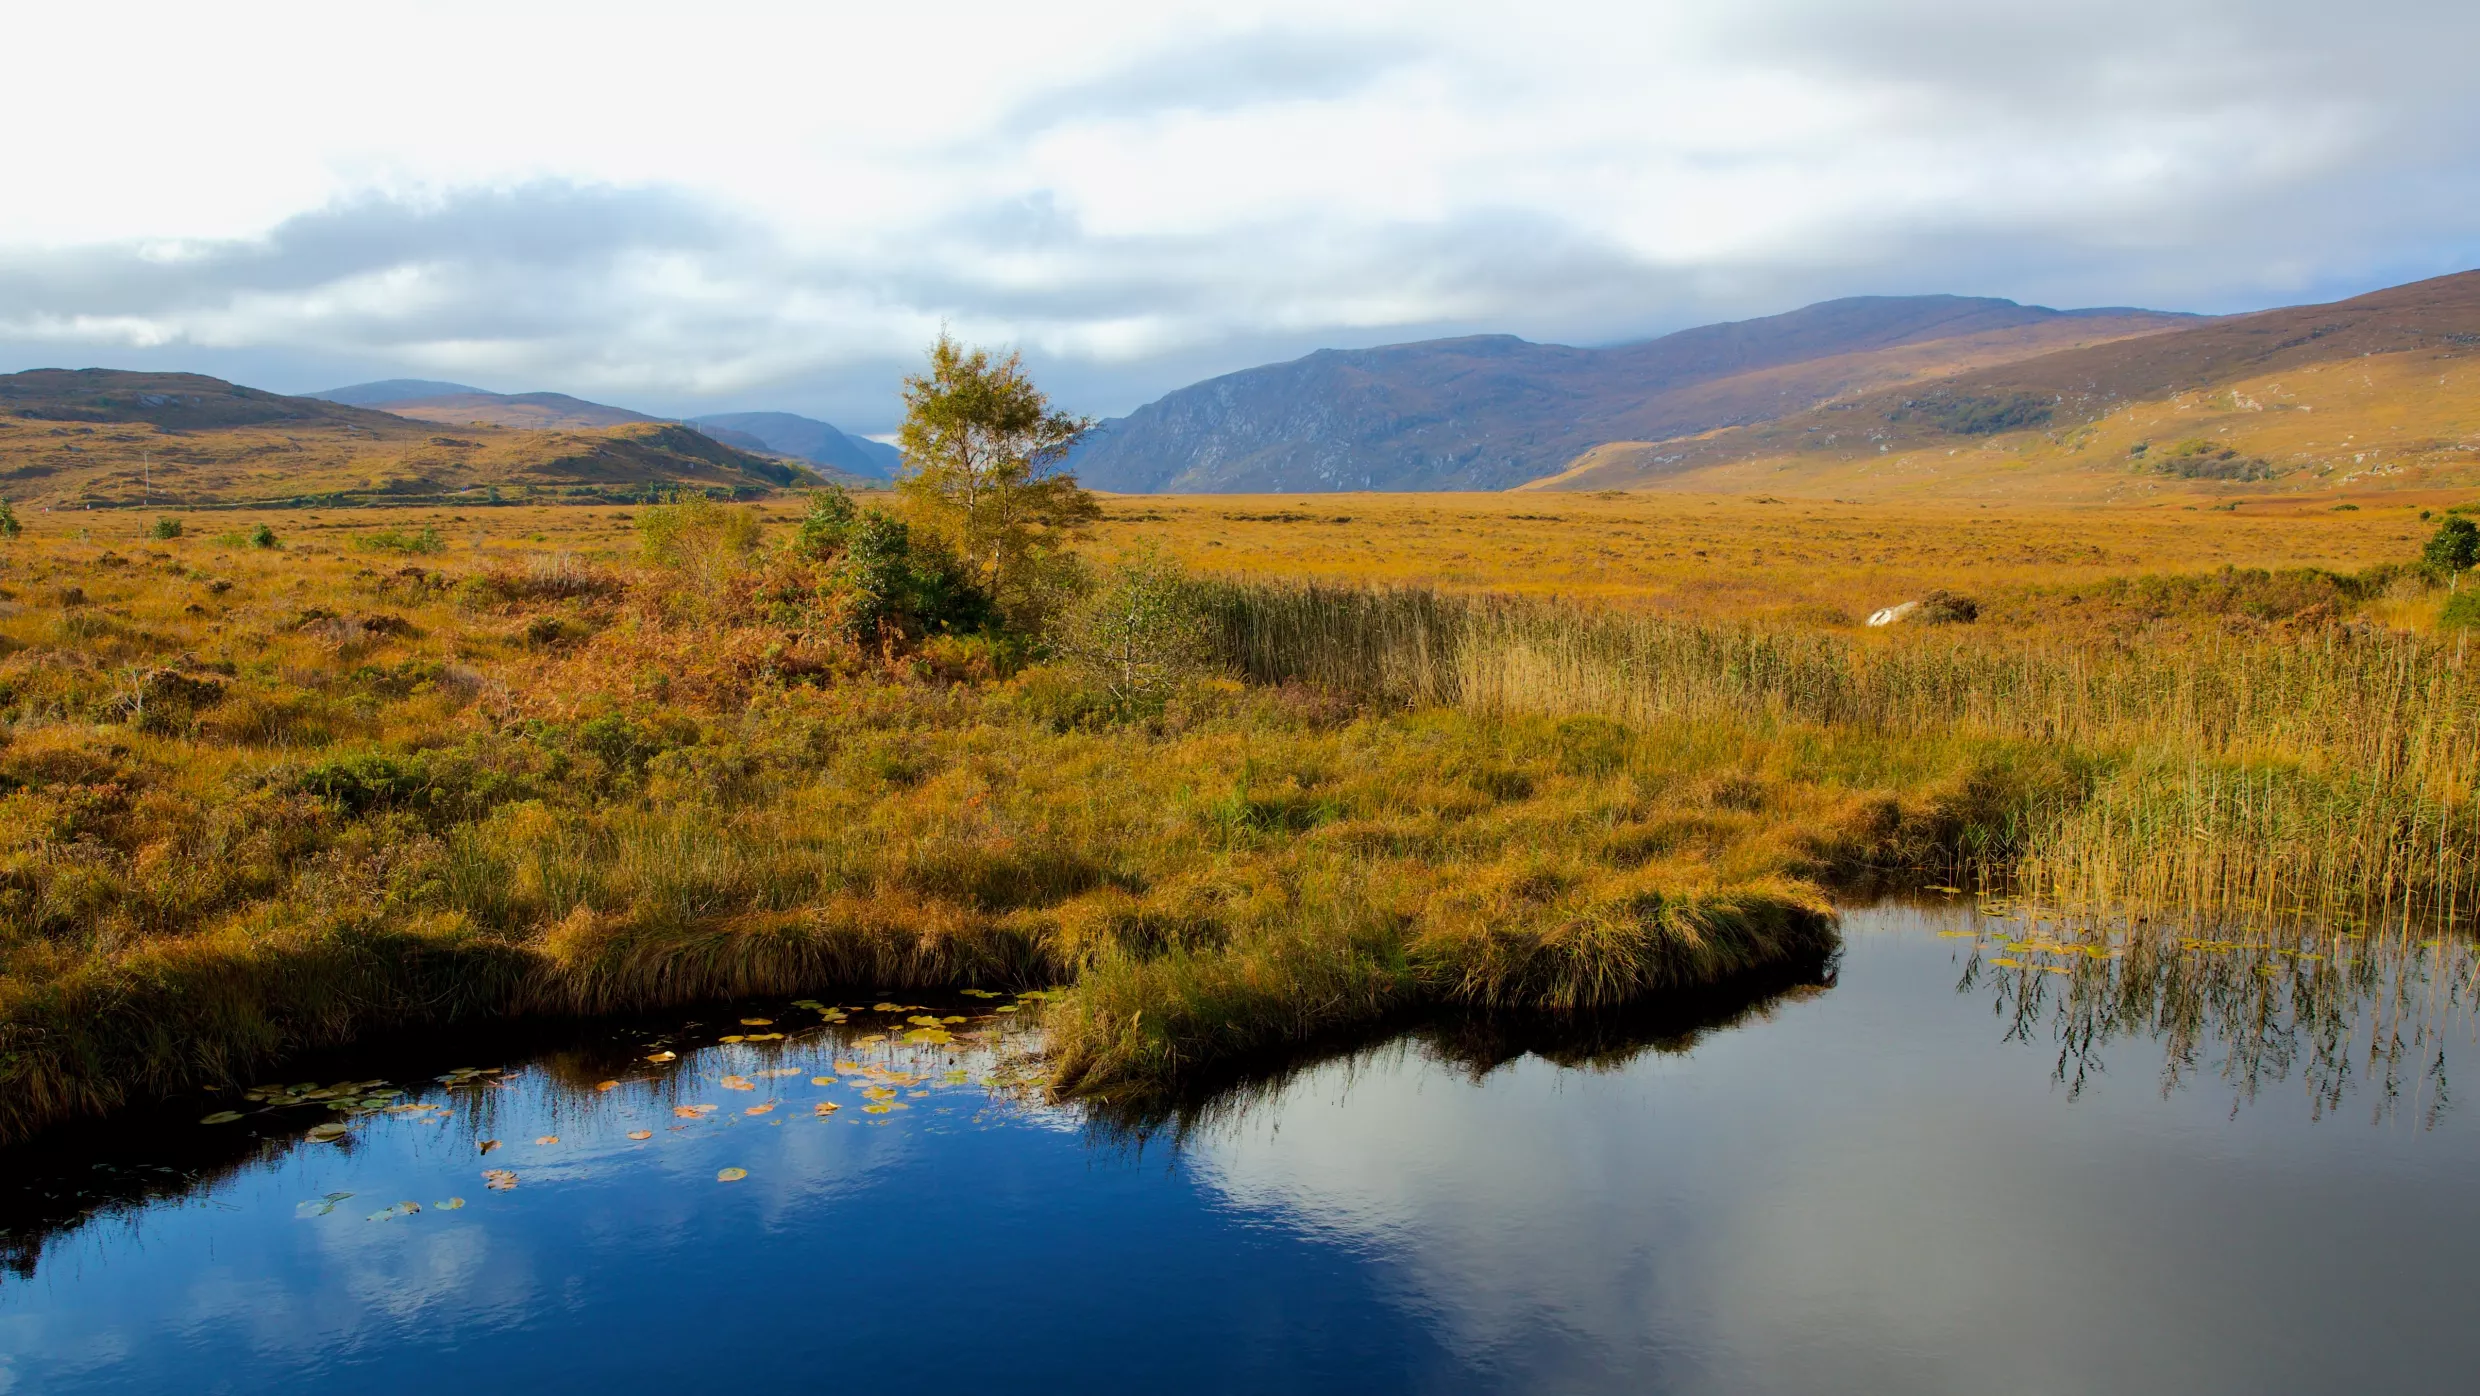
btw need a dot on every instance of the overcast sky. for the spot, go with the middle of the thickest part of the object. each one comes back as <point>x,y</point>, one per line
<point>727,205</point>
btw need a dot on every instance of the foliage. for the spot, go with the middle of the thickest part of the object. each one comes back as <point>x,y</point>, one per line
<point>165,527</point>
<point>982,466</point>
<point>397,540</point>
<point>893,588</point>
<point>9,526</point>
<point>262,536</point>
<point>1143,631</point>
<point>2453,548</point>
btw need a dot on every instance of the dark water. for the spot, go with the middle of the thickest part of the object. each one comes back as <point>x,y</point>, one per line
<point>2197,1168</point>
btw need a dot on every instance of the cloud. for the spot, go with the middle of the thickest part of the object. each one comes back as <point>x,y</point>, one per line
<point>1140,195</point>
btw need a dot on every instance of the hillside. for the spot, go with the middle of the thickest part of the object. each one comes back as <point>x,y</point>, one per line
<point>1492,411</point>
<point>760,433</point>
<point>98,437</point>
<point>806,438</point>
<point>2376,392</point>
<point>524,411</point>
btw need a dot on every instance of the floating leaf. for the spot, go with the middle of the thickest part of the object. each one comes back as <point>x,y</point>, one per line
<point>326,1132</point>
<point>923,1020</point>
<point>953,1018</point>
<point>871,1041</point>
<point>932,1036</point>
<point>664,1057</point>
<point>220,1117</point>
<point>606,1085</point>
<point>731,1175</point>
<point>2010,964</point>
<point>879,1092</point>
<point>757,1022</point>
<point>548,1139</point>
<point>737,1083</point>
<point>321,1207</point>
<point>641,1134</point>
<point>886,1008</point>
<point>489,1144</point>
<point>693,1112</point>
<point>825,1108</point>
<point>778,1071</point>
<point>450,1205</point>
<point>759,1109</point>
<point>732,1037</point>
<point>764,1037</point>
<point>880,1108</point>
<point>498,1179</point>
<point>822,1080</point>
<point>1005,1008</point>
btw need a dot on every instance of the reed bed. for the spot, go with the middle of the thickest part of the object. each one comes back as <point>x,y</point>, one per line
<point>2321,776</point>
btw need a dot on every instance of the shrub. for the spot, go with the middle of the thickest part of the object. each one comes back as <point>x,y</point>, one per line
<point>2462,611</point>
<point>1141,633</point>
<point>165,527</point>
<point>1964,414</point>
<point>2453,548</point>
<point>393,540</point>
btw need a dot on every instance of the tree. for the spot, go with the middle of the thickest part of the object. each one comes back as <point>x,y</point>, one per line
<point>982,452</point>
<point>2454,547</point>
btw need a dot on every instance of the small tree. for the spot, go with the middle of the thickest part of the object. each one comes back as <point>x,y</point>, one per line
<point>982,452</point>
<point>1141,633</point>
<point>166,527</point>
<point>9,526</point>
<point>2453,548</point>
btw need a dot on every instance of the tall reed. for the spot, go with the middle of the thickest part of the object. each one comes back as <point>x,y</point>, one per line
<point>2321,775</point>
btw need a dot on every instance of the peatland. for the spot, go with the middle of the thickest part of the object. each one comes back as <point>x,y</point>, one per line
<point>276,780</point>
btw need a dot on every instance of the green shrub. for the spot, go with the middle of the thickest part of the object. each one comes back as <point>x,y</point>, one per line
<point>2453,548</point>
<point>2462,611</point>
<point>9,526</point>
<point>165,527</point>
<point>393,540</point>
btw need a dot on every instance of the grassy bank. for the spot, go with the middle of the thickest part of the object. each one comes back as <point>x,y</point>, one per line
<point>260,798</point>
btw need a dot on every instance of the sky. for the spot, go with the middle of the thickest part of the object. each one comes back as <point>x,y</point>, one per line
<point>736,206</point>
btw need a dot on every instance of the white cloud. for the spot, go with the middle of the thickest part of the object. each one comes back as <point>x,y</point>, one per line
<point>776,203</point>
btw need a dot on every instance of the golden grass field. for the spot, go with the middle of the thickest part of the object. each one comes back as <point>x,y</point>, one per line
<point>417,763</point>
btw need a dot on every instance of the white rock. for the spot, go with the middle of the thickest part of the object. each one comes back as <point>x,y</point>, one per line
<point>1892,614</point>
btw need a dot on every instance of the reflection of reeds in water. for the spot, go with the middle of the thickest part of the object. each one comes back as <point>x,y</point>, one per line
<point>1475,1043</point>
<point>2322,777</point>
<point>2251,1006</point>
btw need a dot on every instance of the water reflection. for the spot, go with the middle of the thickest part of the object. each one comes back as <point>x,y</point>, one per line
<point>2246,1005</point>
<point>1975,1151</point>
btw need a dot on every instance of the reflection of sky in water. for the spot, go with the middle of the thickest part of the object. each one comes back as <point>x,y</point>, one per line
<point>1866,1190</point>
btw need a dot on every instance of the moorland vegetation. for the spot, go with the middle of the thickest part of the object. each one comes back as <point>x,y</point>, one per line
<point>277,782</point>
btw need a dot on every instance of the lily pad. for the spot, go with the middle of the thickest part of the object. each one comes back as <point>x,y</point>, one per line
<point>737,1083</point>
<point>220,1117</point>
<point>663,1056</point>
<point>327,1132</point>
<point>499,1179</point>
<point>450,1205</point>
<point>731,1175</point>
<point>757,1022</point>
<point>759,1109</point>
<point>606,1085</point>
<point>641,1134</point>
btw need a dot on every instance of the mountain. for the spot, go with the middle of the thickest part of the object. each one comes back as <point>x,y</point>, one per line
<point>171,401</point>
<point>389,390</point>
<point>1493,411</point>
<point>2379,391</point>
<point>762,433</point>
<point>808,439</point>
<point>525,411</point>
<point>107,438</point>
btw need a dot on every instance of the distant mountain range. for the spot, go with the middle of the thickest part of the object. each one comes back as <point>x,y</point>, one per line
<point>2381,391</point>
<point>104,437</point>
<point>769,433</point>
<point>1493,411</point>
